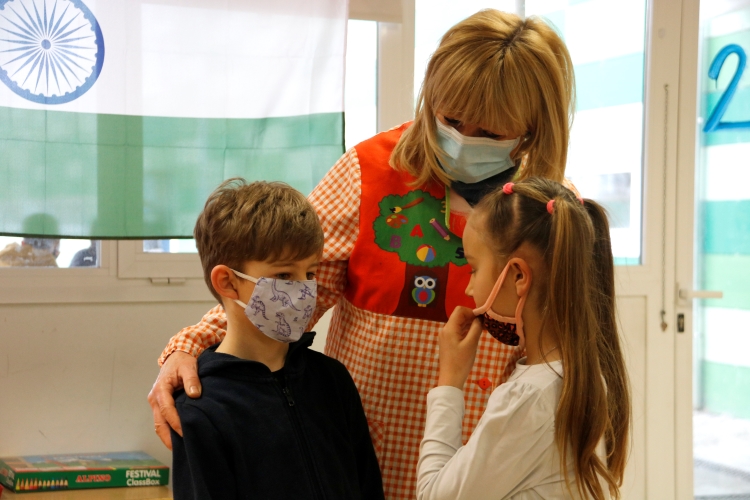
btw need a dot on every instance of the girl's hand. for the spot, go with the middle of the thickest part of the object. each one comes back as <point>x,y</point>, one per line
<point>458,347</point>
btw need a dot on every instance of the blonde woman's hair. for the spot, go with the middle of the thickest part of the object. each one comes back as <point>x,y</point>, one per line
<point>506,74</point>
<point>259,221</point>
<point>578,302</point>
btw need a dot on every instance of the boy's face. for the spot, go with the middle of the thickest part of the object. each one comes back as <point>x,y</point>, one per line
<point>296,270</point>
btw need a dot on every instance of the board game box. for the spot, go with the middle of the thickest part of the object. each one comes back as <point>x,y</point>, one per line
<point>79,471</point>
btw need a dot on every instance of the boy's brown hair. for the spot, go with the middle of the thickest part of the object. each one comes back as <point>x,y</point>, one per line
<point>261,221</point>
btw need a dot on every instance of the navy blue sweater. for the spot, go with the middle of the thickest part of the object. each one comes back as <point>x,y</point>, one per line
<point>296,433</point>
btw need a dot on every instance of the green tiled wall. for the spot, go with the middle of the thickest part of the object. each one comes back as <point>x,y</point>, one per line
<point>727,389</point>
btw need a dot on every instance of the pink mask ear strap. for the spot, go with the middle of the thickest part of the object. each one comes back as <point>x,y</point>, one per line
<point>493,294</point>
<point>519,318</point>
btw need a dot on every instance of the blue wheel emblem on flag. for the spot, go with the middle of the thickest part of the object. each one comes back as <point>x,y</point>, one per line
<point>51,51</point>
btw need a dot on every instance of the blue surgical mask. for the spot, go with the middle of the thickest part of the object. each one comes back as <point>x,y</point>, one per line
<point>473,159</point>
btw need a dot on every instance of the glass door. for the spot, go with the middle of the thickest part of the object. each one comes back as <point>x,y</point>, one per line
<point>721,326</point>
<point>614,157</point>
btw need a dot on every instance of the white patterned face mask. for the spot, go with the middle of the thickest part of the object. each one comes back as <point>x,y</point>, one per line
<point>280,308</point>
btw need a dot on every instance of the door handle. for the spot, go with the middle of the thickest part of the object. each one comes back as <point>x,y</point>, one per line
<point>687,294</point>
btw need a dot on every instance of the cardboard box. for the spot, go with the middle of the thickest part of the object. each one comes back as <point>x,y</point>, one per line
<point>81,471</point>
<point>142,493</point>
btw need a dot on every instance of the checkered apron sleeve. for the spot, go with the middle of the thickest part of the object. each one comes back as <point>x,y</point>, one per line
<point>336,200</point>
<point>196,338</point>
<point>394,362</point>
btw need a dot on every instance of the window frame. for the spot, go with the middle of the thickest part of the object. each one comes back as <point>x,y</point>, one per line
<point>133,262</point>
<point>92,285</point>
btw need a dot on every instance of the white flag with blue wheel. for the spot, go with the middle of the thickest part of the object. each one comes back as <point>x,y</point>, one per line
<point>118,117</point>
<point>50,57</point>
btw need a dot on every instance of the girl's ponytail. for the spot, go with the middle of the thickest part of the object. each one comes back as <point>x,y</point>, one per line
<point>611,359</point>
<point>579,422</point>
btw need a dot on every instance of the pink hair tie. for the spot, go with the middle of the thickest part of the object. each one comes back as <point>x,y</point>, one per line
<point>581,200</point>
<point>551,206</point>
<point>508,188</point>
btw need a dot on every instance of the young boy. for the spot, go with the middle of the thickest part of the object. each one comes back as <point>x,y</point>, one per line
<point>275,420</point>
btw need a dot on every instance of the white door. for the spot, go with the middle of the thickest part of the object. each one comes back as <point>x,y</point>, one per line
<point>646,292</point>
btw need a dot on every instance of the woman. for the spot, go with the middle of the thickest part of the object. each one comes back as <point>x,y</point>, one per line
<point>496,103</point>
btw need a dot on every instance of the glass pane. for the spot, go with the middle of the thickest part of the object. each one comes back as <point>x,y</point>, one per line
<point>46,252</point>
<point>169,246</point>
<point>721,333</point>
<point>605,155</point>
<point>360,88</point>
<point>606,142</point>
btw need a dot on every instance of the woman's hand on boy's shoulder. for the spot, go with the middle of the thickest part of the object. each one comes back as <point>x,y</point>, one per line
<point>179,370</point>
<point>458,347</point>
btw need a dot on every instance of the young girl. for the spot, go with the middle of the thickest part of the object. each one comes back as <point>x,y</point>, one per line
<point>543,279</point>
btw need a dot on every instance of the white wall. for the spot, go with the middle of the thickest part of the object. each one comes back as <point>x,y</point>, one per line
<point>74,377</point>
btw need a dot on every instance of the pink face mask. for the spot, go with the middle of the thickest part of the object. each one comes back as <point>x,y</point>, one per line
<point>507,330</point>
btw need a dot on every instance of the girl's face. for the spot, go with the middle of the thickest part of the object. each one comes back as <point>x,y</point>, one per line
<point>485,270</point>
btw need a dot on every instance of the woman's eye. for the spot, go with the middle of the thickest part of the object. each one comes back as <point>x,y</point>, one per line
<point>452,121</point>
<point>490,135</point>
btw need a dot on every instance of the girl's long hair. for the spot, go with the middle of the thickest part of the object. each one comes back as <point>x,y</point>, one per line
<point>504,73</point>
<point>577,299</point>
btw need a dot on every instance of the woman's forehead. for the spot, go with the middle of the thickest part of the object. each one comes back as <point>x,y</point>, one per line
<point>492,109</point>
<point>491,121</point>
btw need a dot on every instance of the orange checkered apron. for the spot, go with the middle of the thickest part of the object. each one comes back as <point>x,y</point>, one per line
<point>379,330</point>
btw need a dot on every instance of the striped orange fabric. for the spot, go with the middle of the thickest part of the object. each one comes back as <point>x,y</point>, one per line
<point>393,360</point>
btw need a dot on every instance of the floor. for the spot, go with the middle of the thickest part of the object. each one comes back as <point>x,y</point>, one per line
<point>721,447</point>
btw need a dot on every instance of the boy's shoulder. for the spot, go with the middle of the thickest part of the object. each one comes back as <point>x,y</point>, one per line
<point>222,374</point>
<point>318,358</point>
<point>302,354</point>
<point>316,361</point>
<point>233,386</point>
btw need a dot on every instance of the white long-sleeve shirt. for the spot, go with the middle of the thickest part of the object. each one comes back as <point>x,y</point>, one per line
<point>512,452</point>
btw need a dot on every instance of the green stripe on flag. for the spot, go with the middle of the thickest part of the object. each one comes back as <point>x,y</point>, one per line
<point>731,275</point>
<point>726,227</point>
<point>120,176</point>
